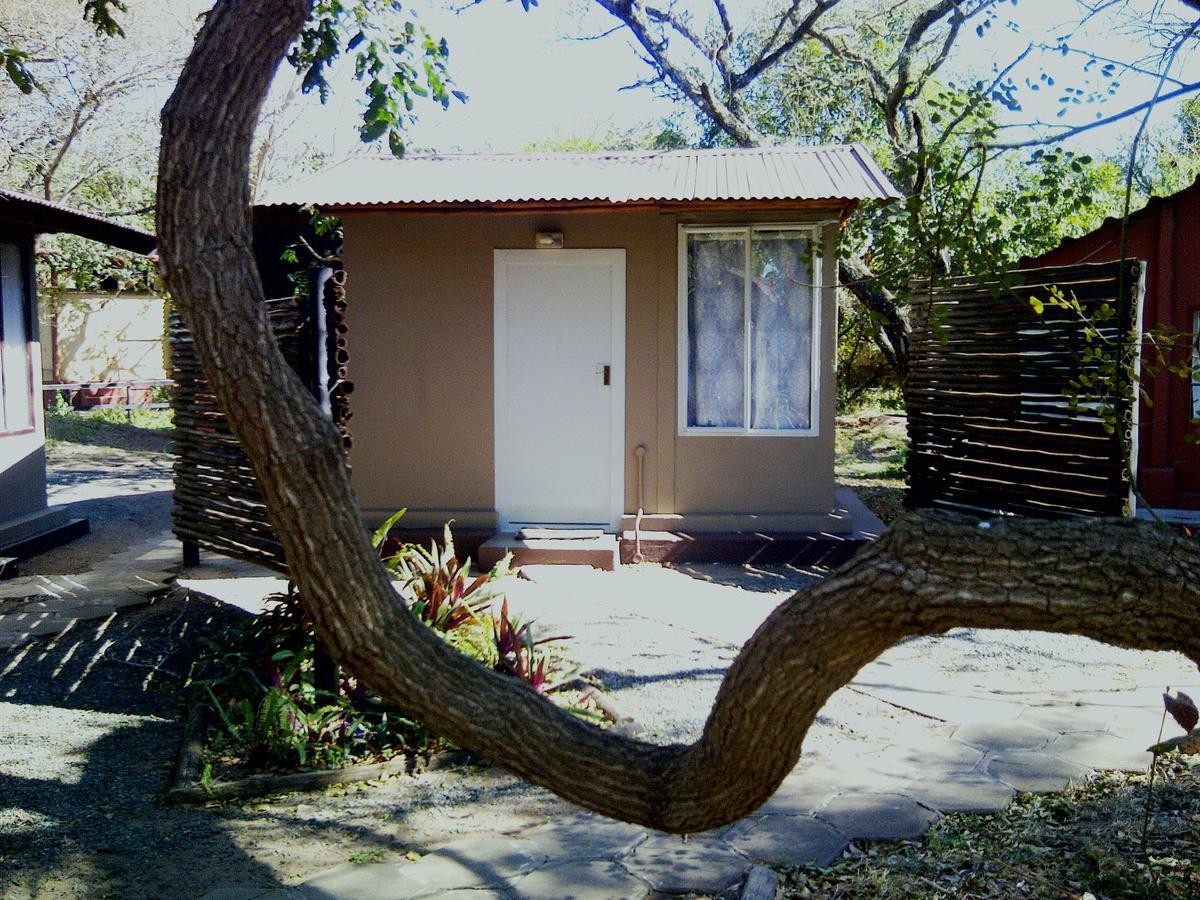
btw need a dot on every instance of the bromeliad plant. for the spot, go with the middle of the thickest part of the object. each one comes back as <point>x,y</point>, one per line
<point>267,691</point>
<point>437,587</point>
<point>517,652</point>
<point>440,592</point>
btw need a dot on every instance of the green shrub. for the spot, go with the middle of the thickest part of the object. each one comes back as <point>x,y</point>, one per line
<point>263,674</point>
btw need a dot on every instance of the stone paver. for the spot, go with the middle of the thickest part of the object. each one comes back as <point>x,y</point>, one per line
<point>1061,719</point>
<point>929,758</point>
<point>473,862</point>
<point>1034,771</point>
<point>669,864</point>
<point>800,795</point>
<point>595,879</point>
<point>43,605</point>
<point>969,792</point>
<point>380,881</point>
<point>585,837</point>
<point>877,816</point>
<point>995,736</point>
<point>788,840</point>
<point>1103,751</point>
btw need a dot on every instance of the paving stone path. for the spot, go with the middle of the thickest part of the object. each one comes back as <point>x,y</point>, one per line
<point>974,747</point>
<point>818,811</point>
<point>48,605</point>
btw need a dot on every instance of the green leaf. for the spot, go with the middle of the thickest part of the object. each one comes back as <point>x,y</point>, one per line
<point>379,535</point>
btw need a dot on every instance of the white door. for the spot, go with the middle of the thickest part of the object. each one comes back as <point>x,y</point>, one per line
<point>560,387</point>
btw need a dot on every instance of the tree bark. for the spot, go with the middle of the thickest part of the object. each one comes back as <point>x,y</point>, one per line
<point>891,334</point>
<point>1122,582</point>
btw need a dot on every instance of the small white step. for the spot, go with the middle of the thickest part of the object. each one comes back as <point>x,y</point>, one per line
<point>560,534</point>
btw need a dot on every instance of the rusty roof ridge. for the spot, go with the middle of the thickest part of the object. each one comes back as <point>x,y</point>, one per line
<point>1153,202</point>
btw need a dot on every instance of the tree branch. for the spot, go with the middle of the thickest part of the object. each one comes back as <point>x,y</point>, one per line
<point>891,330</point>
<point>1072,131</point>
<point>634,15</point>
<point>916,33</point>
<point>802,30</point>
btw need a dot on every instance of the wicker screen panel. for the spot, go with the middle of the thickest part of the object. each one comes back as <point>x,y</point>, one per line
<point>990,424</point>
<point>218,505</point>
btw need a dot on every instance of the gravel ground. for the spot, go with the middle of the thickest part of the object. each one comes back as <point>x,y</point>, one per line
<point>88,734</point>
<point>659,640</point>
<point>88,730</point>
<point>125,494</point>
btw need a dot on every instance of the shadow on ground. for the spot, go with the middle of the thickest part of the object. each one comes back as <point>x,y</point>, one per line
<point>776,579</point>
<point>90,724</point>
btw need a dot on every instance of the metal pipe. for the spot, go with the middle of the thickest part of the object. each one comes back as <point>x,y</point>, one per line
<point>640,452</point>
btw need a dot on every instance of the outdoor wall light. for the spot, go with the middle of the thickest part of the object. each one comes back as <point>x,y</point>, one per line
<point>549,240</point>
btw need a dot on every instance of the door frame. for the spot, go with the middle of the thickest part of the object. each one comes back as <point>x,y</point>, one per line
<point>615,259</point>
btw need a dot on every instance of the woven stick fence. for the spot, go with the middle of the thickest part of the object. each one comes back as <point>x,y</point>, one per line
<point>218,504</point>
<point>991,425</point>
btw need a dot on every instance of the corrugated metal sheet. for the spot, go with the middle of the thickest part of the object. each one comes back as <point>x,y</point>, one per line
<point>47,217</point>
<point>837,172</point>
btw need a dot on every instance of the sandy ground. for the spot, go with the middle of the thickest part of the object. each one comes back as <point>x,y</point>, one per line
<point>125,495</point>
<point>89,724</point>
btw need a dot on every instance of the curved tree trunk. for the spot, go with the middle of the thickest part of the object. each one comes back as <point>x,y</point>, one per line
<point>1121,582</point>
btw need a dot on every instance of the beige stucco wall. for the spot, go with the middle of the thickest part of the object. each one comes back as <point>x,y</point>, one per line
<point>106,337</point>
<point>420,296</point>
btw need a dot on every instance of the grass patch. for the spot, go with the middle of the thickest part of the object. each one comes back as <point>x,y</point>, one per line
<point>871,447</point>
<point>144,429</point>
<point>1085,840</point>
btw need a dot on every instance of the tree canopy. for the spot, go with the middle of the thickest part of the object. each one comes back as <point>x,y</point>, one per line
<point>837,71</point>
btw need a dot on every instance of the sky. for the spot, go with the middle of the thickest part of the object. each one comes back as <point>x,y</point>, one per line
<point>526,76</point>
<point>529,77</point>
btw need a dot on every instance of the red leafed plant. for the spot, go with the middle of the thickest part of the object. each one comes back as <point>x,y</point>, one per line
<point>437,585</point>
<point>1182,709</point>
<point>517,654</point>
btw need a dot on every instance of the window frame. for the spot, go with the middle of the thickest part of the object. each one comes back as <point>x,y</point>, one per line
<point>814,230</point>
<point>25,279</point>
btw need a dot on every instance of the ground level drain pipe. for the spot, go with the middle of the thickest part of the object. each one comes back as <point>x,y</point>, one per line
<point>640,453</point>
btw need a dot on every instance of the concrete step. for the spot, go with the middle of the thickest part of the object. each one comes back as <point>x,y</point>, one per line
<point>602,552</point>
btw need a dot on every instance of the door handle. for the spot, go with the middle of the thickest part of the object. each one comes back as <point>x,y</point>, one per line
<point>607,375</point>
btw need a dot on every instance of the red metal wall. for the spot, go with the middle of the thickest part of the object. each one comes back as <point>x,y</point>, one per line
<point>1166,235</point>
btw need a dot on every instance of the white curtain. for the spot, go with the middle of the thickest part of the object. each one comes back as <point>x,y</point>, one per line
<point>716,330</point>
<point>781,330</point>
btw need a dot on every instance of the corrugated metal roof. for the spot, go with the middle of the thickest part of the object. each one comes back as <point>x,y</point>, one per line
<point>836,172</point>
<point>46,217</point>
